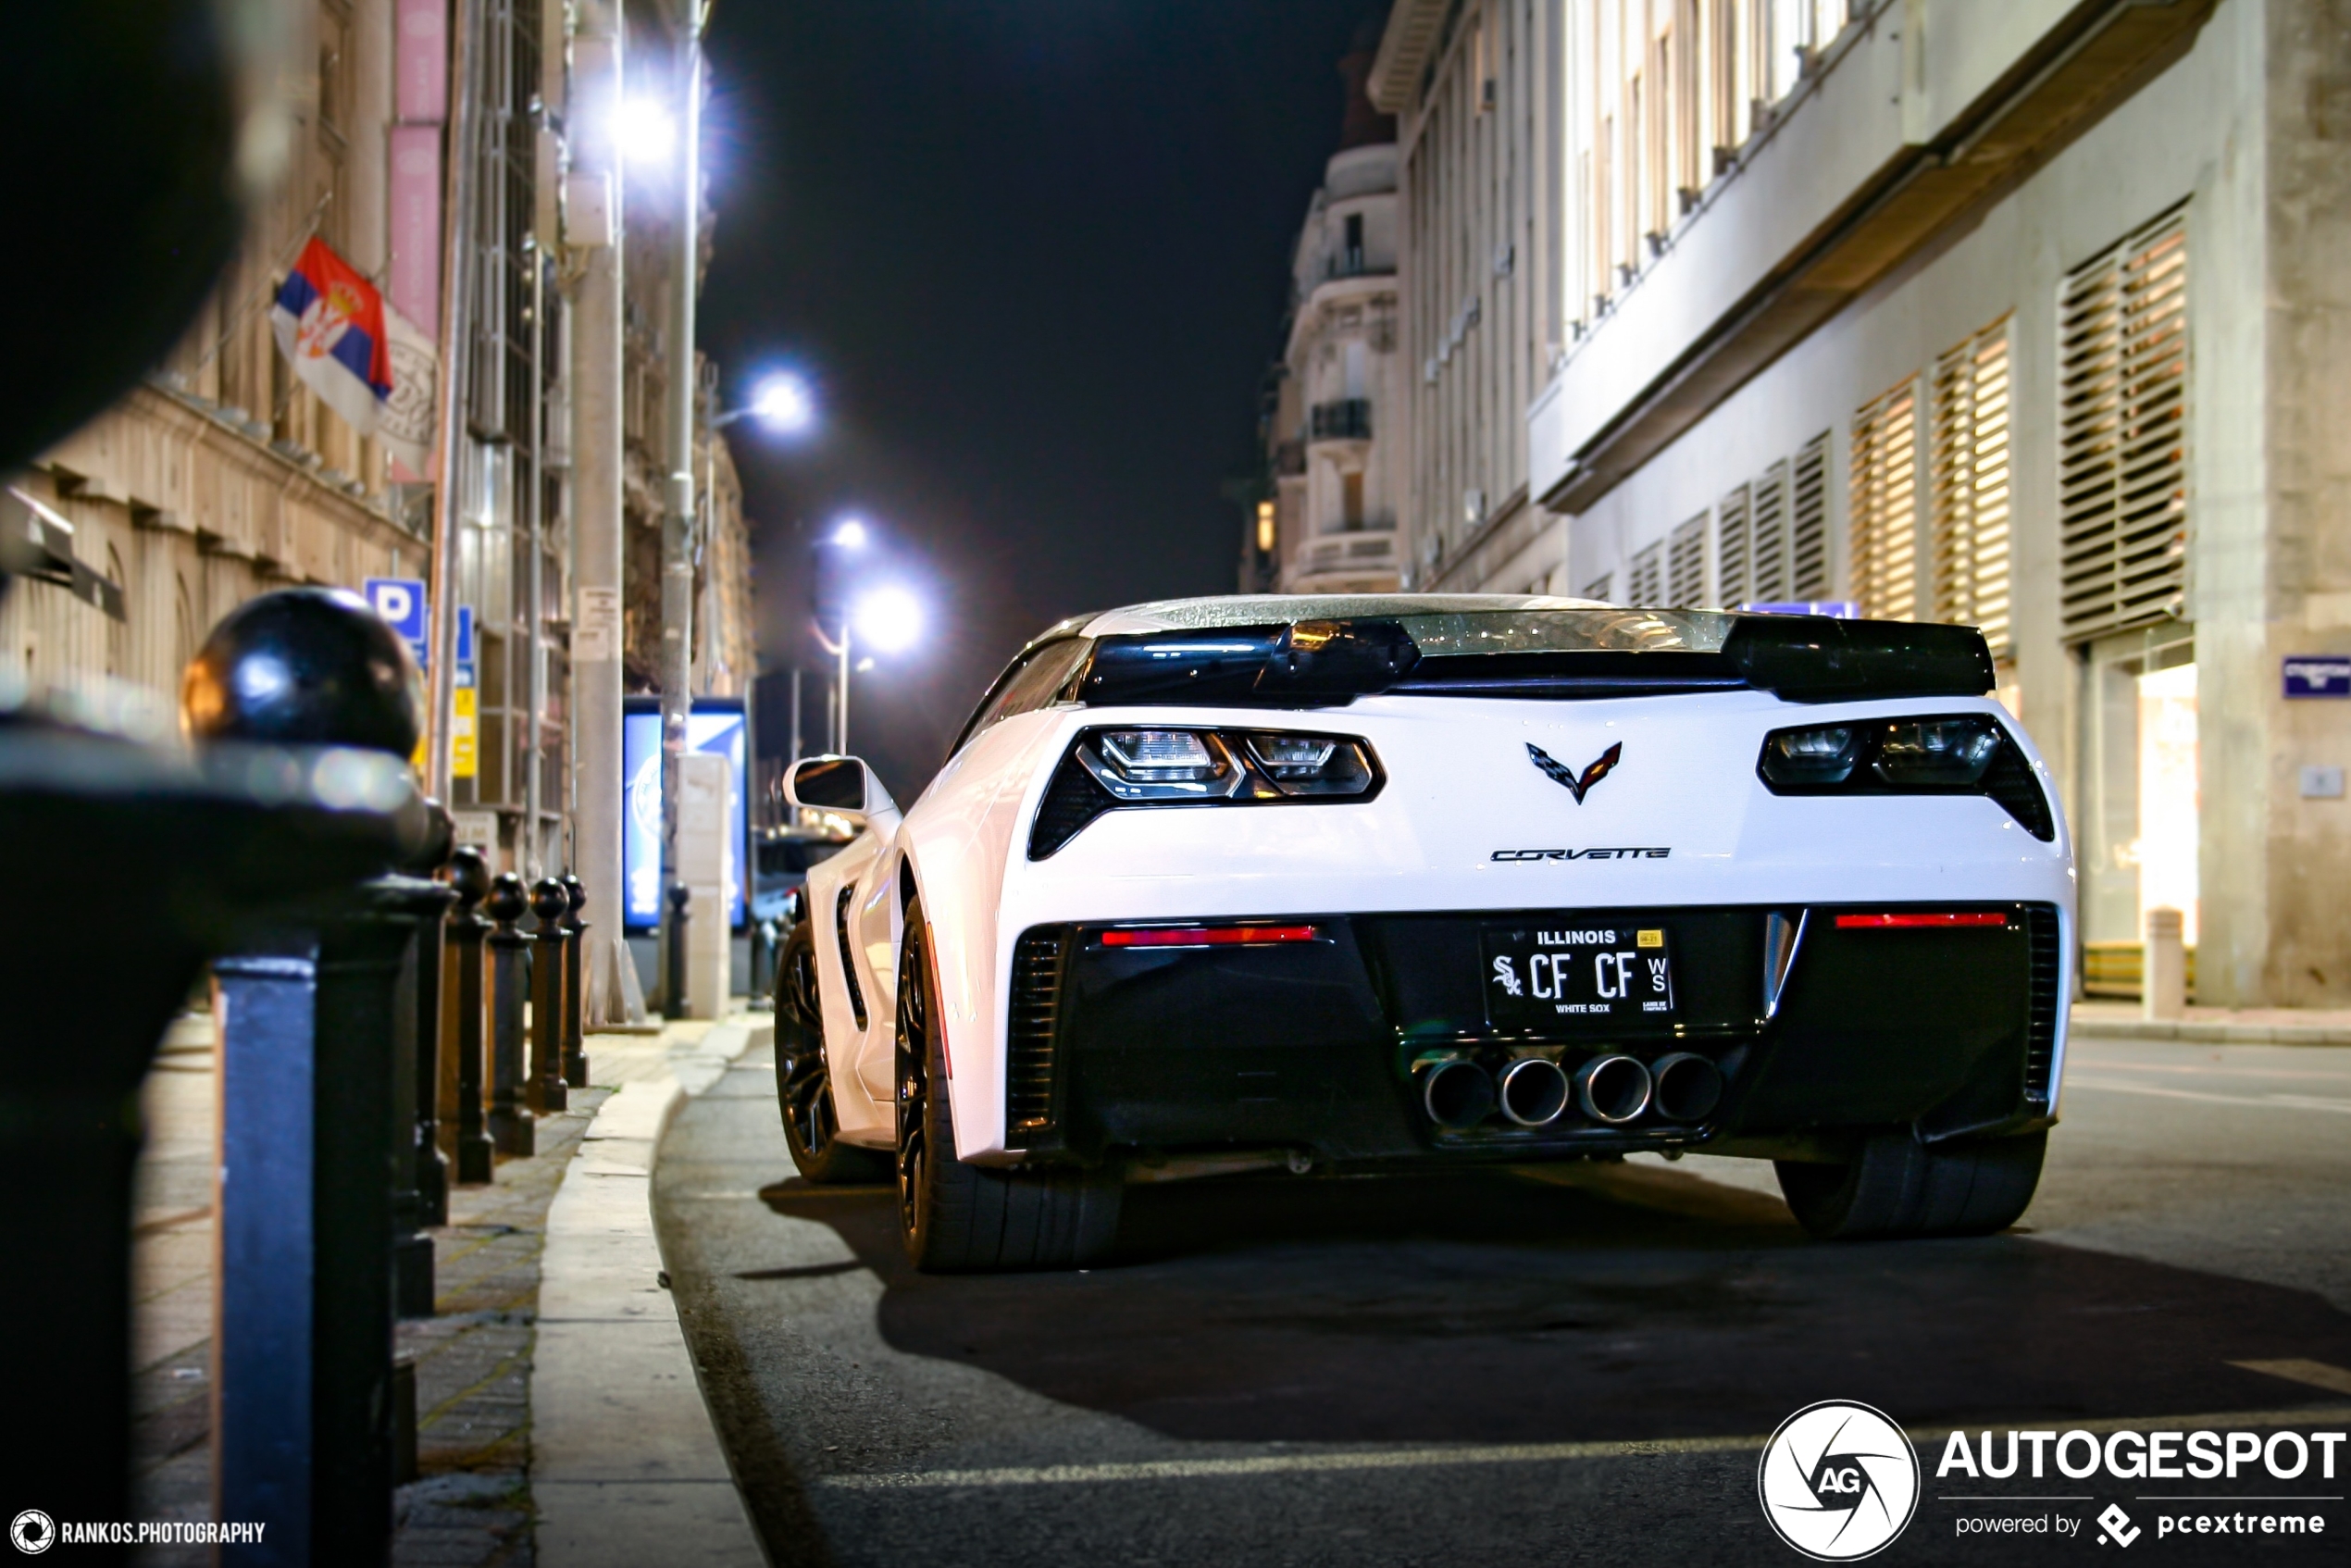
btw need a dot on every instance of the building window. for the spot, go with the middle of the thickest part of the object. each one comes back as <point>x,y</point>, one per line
<point>1350,500</point>
<point>1767,505</point>
<point>1645,581</point>
<point>2122,465</point>
<point>1686,565</point>
<point>1968,486</point>
<point>1886,505</point>
<point>1808,531</point>
<point>1600,588</point>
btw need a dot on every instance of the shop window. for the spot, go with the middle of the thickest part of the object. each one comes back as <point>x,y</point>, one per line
<point>1886,505</point>
<point>2122,466</point>
<point>1968,486</point>
<point>2137,829</point>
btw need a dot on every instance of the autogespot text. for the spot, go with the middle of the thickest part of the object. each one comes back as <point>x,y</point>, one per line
<point>2141,1456</point>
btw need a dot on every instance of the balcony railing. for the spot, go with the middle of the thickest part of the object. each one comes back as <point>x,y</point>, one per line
<point>1359,551</point>
<point>1348,419</point>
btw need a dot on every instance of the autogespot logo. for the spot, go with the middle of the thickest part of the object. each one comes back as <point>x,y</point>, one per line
<point>1839,1481</point>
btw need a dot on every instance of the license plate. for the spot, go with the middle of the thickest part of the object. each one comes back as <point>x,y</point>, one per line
<point>1572,973</point>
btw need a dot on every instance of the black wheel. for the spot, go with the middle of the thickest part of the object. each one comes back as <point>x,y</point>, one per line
<point>957,1218</point>
<point>1895,1185</point>
<point>803,1087</point>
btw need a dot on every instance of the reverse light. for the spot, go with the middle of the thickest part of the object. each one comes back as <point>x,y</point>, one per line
<point>1208,936</point>
<point>1311,764</point>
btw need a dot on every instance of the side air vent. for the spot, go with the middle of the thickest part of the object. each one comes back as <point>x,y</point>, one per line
<point>2010,783</point>
<point>1035,1012</point>
<point>1071,802</point>
<point>848,952</point>
<point>2040,1043</point>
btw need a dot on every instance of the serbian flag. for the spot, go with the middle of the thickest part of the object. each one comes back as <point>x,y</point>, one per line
<point>330,323</point>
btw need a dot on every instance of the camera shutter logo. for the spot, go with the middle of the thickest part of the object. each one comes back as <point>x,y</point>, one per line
<point>1839,1481</point>
<point>32,1532</point>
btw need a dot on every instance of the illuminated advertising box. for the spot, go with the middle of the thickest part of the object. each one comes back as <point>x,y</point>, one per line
<point>718,724</point>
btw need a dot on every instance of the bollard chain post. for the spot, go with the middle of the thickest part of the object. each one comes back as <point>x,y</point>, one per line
<point>510,1124</point>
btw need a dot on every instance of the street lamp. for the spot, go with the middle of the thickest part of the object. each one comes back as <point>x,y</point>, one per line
<point>782,402</point>
<point>850,534</point>
<point>646,131</point>
<point>890,619</point>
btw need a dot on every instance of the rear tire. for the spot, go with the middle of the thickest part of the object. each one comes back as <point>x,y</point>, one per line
<point>1895,1185</point>
<point>956,1217</point>
<point>803,1082</point>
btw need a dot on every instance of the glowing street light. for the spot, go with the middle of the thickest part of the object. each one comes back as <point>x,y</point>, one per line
<point>850,534</point>
<point>647,133</point>
<point>890,619</point>
<point>782,402</point>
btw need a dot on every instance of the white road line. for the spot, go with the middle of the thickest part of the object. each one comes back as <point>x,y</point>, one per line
<point>1498,1454</point>
<point>2262,1102</point>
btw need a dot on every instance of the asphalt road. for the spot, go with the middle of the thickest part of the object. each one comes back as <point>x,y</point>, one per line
<point>1576,1364</point>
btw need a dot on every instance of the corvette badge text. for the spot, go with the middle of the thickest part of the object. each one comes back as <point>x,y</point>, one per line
<point>1583,854</point>
<point>1840,1481</point>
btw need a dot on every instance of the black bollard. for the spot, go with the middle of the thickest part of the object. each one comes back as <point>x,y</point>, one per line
<point>431,954</point>
<point>416,1077</point>
<point>549,904</point>
<point>575,966</point>
<point>315,1135</point>
<point>470,879</point>
<point>673,1001</point>
<point>510,1125</point>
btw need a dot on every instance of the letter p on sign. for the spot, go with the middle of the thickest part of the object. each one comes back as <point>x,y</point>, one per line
<point>400,601</point>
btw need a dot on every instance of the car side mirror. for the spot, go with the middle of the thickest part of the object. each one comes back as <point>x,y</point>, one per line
<point>844,786</point>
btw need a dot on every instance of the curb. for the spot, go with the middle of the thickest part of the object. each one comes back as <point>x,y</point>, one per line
<point>2207,1033</point>
<point>625,1468</point>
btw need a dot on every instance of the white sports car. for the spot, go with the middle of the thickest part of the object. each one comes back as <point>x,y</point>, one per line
<point>1408,882</point>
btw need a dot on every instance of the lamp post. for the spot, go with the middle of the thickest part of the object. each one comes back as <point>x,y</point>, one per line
<point>890,619</point>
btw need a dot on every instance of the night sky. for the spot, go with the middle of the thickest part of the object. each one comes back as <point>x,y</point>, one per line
<point>1033,255</point>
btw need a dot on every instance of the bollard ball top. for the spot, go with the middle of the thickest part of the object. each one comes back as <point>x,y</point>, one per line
<point>311,667</point>
<point>438,840</point>
<point>470,876</point>
<point>549,901</point>
<point>576,889</point>
<point>507,899</point>
<point>679,896</point>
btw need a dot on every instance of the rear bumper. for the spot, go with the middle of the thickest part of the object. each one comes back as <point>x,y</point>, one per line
<point>1323,1046</point>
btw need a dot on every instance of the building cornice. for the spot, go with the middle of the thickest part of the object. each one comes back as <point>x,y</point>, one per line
<point>1405,48</point>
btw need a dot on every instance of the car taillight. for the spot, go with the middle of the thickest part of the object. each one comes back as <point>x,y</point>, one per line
<point>1929,754</point>
<point>1939,753</point>
<point>1161,764</point>
<point>1821,755</point>
<point>1107,769</point>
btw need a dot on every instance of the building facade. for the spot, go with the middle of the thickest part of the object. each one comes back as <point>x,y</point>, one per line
<point>224,476</point>
<point>1336,459</point>
<point>2019,312</point>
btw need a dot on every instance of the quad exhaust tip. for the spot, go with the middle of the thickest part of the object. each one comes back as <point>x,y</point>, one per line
<point>1688,1086</point>
<point>1457,1094</point>
<point>1613,1090</point>
<point>1534,1091</point>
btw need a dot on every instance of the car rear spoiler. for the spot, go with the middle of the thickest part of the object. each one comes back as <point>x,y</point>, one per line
<point>1329,664</point>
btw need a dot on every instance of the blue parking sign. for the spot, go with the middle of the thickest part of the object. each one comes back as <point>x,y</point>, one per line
<point>400,601</point>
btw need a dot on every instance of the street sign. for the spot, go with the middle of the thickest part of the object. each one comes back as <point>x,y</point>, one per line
<point>2318,675</point>
<point>400,601</point>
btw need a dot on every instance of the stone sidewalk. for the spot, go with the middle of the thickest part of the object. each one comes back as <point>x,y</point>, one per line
<point>471,1503</point>
<point>2215,1026</point>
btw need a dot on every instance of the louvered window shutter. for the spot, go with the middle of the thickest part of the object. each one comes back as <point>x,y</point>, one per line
<point>2122,466</point>
<point>1968,501</point>
<point>1807,534</point>
<point>1600,588</point>
<point>1686,565</point>
<point>1885,513</point>
<point>1732,550</point>
<point>1647,585</point>
<point>1768,507</point>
